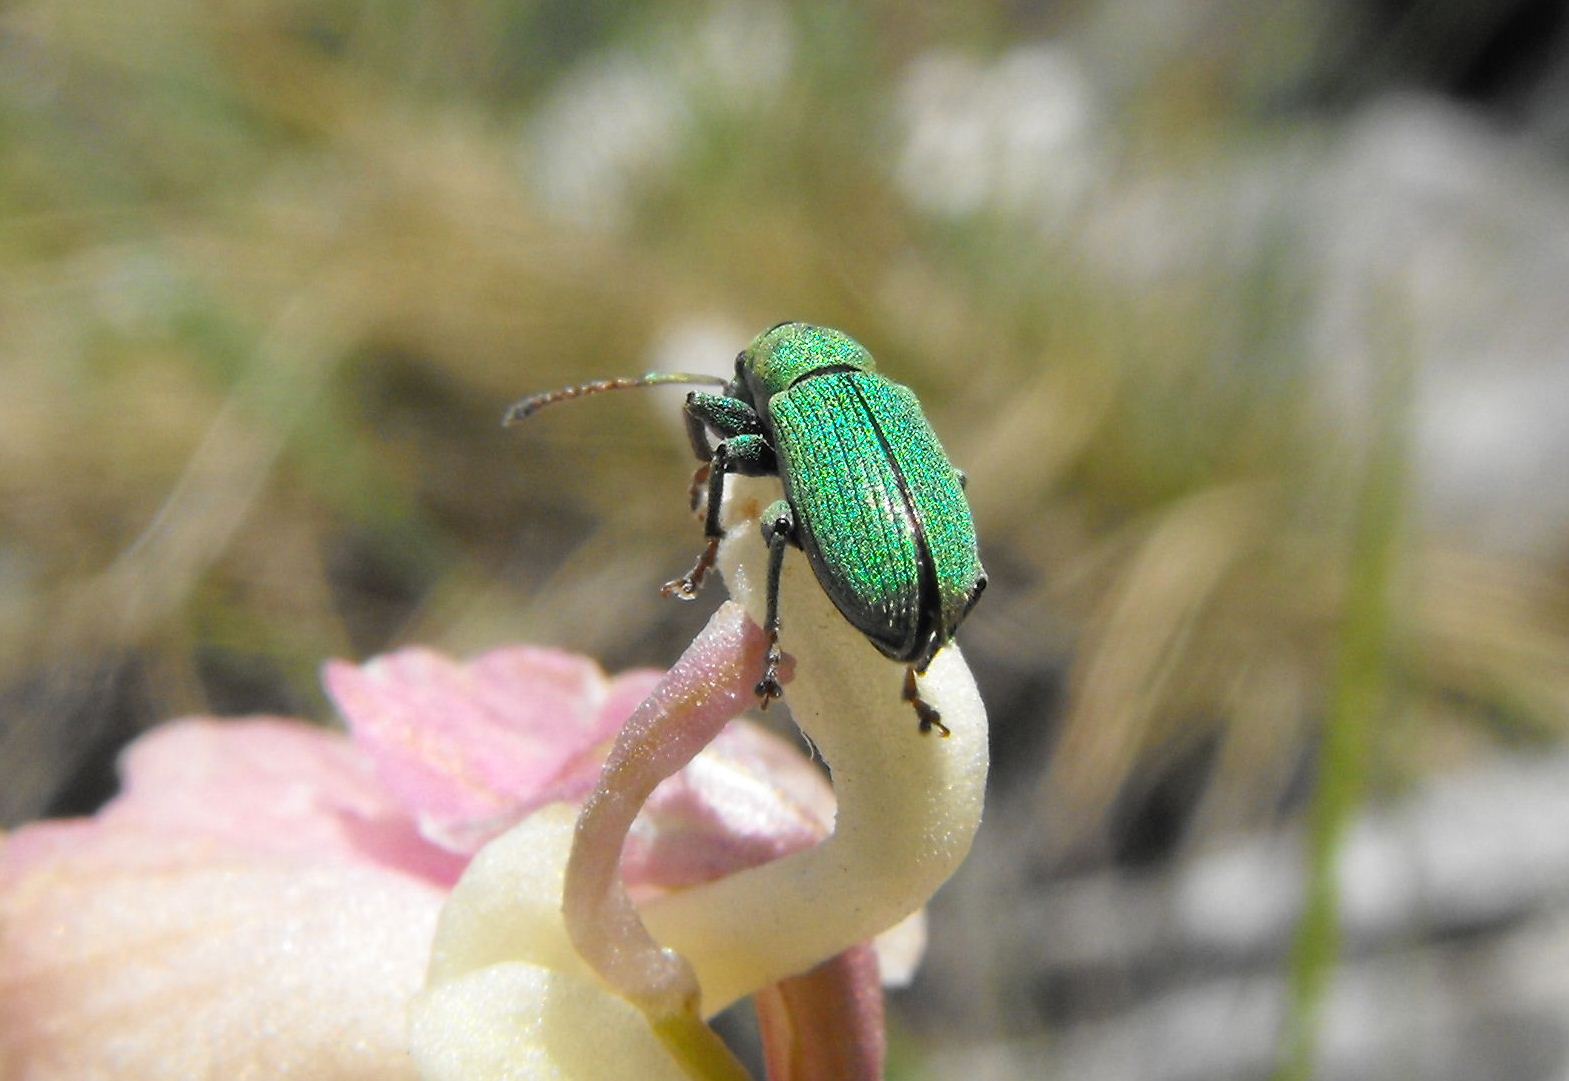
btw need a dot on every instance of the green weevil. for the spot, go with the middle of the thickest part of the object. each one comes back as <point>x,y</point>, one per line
<point>869,494</point>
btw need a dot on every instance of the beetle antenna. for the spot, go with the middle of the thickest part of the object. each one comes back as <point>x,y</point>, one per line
<point>527,407</point>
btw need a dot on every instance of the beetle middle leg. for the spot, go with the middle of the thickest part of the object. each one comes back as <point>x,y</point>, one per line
<point>751,456</point>
<point>929,716</point>
<point>778,533</point>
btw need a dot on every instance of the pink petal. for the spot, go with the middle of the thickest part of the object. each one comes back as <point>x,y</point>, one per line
<point>137,957</point>
<point>827,1024</point>
<point>262,786</point>
<point>577,778</point>
<point>472,747</point>
<point>748,798</point>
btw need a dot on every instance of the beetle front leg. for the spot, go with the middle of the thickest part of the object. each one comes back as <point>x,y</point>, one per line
<point>685,587</point>
<point>778,532</point>
<point>729,417</point>
<point>749,455</point>
<point>700,477</point>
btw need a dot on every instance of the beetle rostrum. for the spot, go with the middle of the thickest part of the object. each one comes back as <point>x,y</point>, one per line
<point>869,494</point>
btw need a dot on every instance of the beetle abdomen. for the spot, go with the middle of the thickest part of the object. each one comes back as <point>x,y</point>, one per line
<point>878,508</point>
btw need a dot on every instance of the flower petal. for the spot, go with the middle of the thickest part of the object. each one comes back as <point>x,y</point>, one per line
<point>262,786</point>
<point>507,997</point>
<point>519,1022</point>
<point>826,1024</point>
<point>711,683</point>
<point>749,797</point>
<point>118,961</point>
<point>908,804</point>
<point>472,747</point>
<point>507,906</point>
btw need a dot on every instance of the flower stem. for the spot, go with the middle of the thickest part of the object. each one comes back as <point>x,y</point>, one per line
<point>697,1049</point>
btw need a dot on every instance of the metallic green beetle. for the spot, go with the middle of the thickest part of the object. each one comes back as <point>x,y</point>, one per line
<point>870,496</point>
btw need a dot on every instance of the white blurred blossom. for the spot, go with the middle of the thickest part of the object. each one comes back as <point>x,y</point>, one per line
<point>1012,134</point>
<point>623,117</point>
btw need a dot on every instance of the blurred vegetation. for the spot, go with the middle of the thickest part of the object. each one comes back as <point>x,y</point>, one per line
<point>271,272</point>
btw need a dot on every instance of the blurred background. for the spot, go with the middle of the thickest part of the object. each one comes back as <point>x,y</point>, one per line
<point>1247,322</point>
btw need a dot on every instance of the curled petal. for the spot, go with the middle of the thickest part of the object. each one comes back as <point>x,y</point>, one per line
<point>710,684</point>
<point>507,906</point>
<point>514,975</point>
<point>908,804</point>
<point>504,931</point>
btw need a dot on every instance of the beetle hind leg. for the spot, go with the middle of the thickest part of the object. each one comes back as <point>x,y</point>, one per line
<point>928,715</point>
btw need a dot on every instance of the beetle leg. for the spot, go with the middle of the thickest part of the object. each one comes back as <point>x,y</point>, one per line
<point>685,588</point>
<point>778,532</point>
<point>727,416</point>
<point>697,429</point>
<point>699,479</point>
<point>749,455</point>
<point>930,718</point>
<point>723,414</point>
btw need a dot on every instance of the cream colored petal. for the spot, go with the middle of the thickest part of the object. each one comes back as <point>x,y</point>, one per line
<point>507,996</point>
<point>900,949</point>
<point>209,967</point>
<point>909,805</point>
<point>520,1022</point>
<point>507,906</point>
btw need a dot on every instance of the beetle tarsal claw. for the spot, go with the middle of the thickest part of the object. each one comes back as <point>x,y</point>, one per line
<point>768,687</point>
<point>682,589</point>
<point>685,588</point>
<point>767,690</point>
<point>930,719</point>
